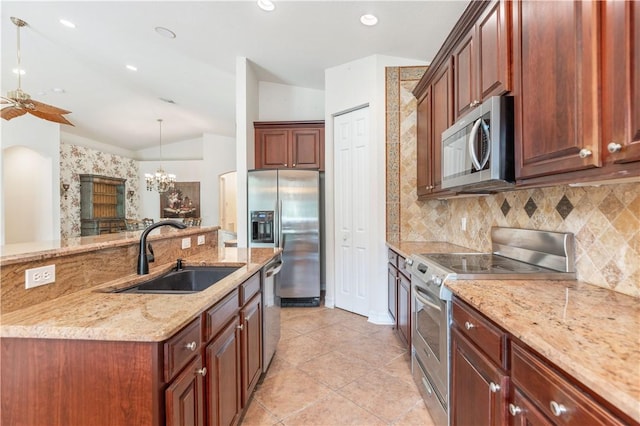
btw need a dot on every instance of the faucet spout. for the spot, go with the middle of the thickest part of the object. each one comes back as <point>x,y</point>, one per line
<point>143,260</point>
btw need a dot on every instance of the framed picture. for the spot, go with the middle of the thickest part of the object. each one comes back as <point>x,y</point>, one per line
<point>181,202</point>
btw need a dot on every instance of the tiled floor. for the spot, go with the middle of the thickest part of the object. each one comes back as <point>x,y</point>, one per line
<point>334,368</point>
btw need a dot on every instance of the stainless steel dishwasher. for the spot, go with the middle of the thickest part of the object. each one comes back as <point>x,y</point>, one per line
<point>271,311</point>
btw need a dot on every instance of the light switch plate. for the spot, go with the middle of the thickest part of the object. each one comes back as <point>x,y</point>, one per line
<point>39,276</point>
<point>200,240</point>
<point>186,243</point>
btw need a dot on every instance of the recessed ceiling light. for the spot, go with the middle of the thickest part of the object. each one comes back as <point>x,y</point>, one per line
<point>19,70</point>
<point>57,90</point>
<point>369,20</point>
<point>165,32</point>
<point>67,24</point>
<point>266,5</point>
<point>132,68</point>
<point>169,101</point>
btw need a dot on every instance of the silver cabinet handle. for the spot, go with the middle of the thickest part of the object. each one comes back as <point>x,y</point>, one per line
<point>557,409</point>
<point>191,346</point>
<point>426,385</point>
<point>240,326</point>
<point>468,325</point>
<point>202,371</point>
<point>584,153</point>
<point>614,147</point>
<point>514,410</point>
<point>494,387</point>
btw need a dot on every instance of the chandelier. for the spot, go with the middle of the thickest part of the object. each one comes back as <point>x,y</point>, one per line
<point>160,181</point>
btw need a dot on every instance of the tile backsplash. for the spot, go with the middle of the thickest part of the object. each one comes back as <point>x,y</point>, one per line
<point>604,219</point>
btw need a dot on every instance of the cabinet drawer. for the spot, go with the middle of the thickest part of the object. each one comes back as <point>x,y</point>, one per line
<point>404,267</point>
<point>249,288</point>
<point>489,338</point>
<point>393,257</point>
<point>553,394</point>
<point>216,317</point>
<point>181,348</point>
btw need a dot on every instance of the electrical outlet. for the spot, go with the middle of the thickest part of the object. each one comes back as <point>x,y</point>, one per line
<point>463,224</point>
<point>200,240</point>
<point>39,276</point>
<point>186,243</point>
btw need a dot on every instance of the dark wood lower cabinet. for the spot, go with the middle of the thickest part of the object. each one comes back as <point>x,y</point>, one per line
<point>404,309</point>
<point>223,376</point>
<point>480,387</point>
<point>251,339</point>
<point>524,413</point>
<point>184,398</point>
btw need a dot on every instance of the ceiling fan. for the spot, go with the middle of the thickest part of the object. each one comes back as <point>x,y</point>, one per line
<point>19,102</point>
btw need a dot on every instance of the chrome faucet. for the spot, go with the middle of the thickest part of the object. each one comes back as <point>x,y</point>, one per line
<point>143,257</point>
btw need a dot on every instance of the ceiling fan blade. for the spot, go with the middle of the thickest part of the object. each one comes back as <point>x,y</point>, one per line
<point>56,118</point>
<point>46,108</point>
<point>12,112</point>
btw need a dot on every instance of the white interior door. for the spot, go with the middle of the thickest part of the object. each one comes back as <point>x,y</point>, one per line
<point>353,192</point>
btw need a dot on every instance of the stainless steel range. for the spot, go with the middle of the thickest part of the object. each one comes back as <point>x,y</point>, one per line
<point>516,254</point>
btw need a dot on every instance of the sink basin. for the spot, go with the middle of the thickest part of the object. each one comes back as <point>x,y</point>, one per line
<point>188,280</point>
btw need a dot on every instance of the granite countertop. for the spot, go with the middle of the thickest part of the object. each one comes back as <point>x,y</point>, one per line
<point>589,332</point>
<point>97,314</point>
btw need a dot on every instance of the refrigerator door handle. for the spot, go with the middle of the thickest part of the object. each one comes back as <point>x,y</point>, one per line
<point>276,230</point>
<point>280,236</point>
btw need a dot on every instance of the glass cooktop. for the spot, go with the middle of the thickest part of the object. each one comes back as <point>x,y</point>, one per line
<point>474,263</point>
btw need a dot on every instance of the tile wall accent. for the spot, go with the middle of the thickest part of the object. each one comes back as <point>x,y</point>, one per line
<point>77,160</point>
<point>604,219</point>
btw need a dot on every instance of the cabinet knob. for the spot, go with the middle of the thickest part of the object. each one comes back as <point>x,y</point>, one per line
<point>494,387</point>
<point>294,164</point>
<point>468,325</point>
<point>557,409</point>
<point>475,103</point>
<point>286,165</point>
<point>240,326</point>
<point>408,262</point>
<point>584,153</point>
<point>202,371</point>
<point>514,410</point>
<point>191,346</point>
<point>614,147</point>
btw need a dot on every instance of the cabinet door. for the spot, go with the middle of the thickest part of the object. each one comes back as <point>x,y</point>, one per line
<point>305,148</point>
<point>424,152</point>
<point>223,376</point>
<point>404,309</point>
<point>184,398</point>
<point>524,413</point>
<point>556,107</point>
<point>465,75</point>
<point>442,118</point>
<point>478,387</point>
<point>493,41</point>
<point>272,148</point>
<point>392,292</point>
<point>621,81</point>
<point>251,337</point>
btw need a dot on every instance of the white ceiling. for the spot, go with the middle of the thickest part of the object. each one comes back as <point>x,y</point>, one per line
<point>292,45</point>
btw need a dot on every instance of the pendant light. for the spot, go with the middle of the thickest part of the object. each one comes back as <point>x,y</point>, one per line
<point>160,181</point>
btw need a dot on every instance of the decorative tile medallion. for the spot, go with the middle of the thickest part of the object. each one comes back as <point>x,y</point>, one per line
<point>530,207</point>
<point>505,207</point>
<point>564,207</point>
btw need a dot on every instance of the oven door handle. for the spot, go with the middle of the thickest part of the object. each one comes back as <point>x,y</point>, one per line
<point>422,297</point>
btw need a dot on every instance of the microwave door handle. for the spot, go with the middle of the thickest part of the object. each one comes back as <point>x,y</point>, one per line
<point>472,144</point>
<point>485,131</point>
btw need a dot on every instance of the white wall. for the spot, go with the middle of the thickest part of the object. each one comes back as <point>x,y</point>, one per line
<point>42,139</point>
<point>280,102</point>
<point>247,98</point>
<point>348,86</point>
<point>190,149</point>
<point>218,156</point>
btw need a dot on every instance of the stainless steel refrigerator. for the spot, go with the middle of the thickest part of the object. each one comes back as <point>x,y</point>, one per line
<point>284,211</point>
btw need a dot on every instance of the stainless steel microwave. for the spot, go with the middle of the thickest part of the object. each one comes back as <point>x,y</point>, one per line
<point>477,151</point>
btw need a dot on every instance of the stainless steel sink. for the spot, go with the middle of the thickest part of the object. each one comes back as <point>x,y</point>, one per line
<point>191,279</point>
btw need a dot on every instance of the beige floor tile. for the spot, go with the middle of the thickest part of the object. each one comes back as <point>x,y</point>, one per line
<point>301,348</point>
<point>371,351</point>
<point>400,367</point>
<point>334,335</point>
<point>289,391</point>
<point>257,415</point>
<point>333,410</point>
<point>382,394</point>
<point>417,416</point>
<point>334,369</point>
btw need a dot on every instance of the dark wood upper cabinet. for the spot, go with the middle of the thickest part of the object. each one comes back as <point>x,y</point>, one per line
<point>556,72</point>
<point>442,118</point>
<point>621,82</point>
<point>289,145</point>
<point>482,59</point>
<point>424,146</point>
